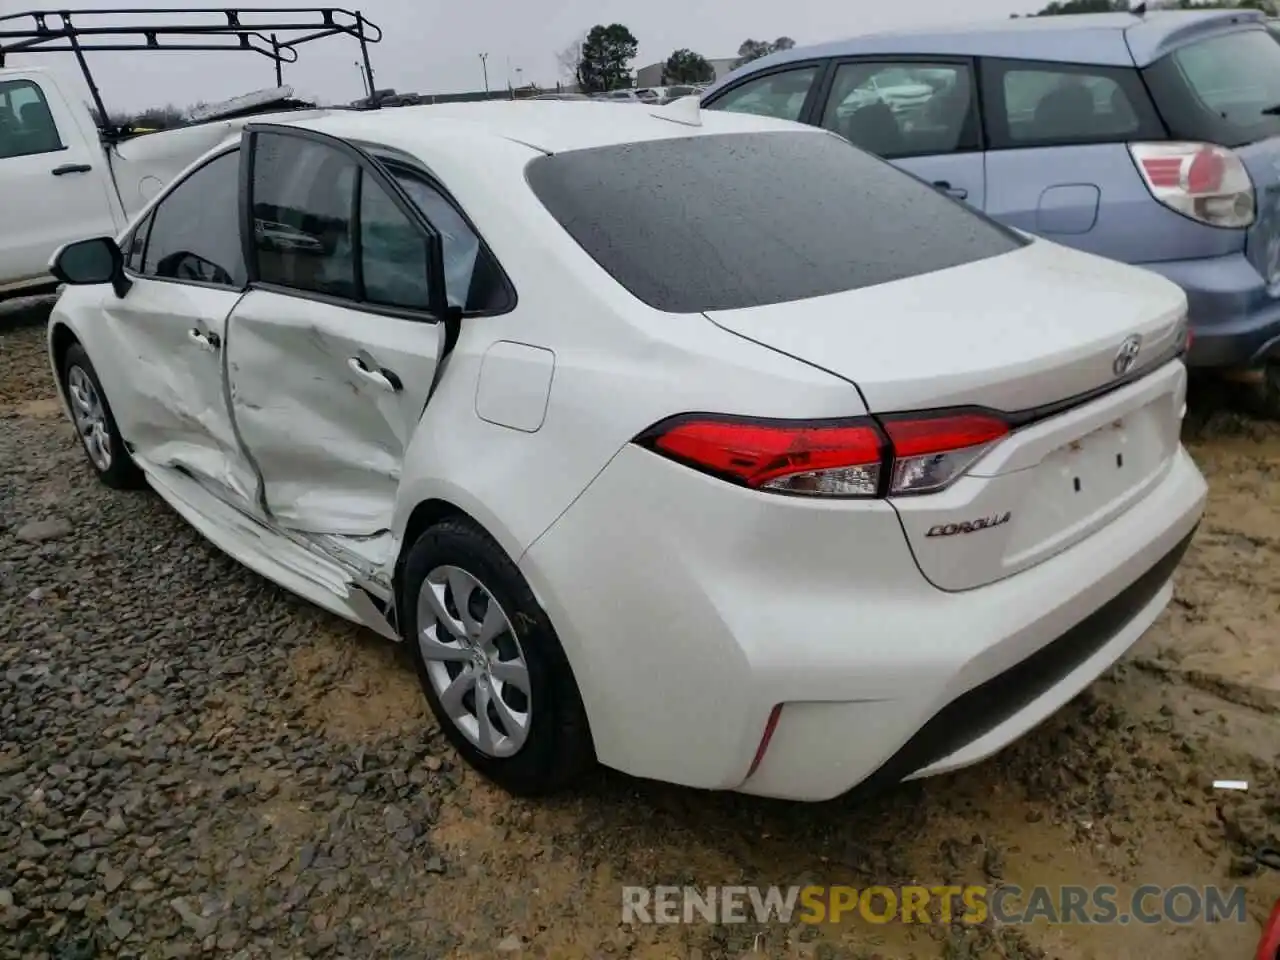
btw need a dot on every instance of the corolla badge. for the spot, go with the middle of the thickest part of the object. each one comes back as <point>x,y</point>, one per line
<point>1126,356</point>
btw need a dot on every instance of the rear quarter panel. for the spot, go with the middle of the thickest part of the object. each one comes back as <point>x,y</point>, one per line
<point>1092,197</point>
<point>619,367</point>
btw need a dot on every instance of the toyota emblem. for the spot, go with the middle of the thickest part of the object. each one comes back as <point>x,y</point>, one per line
<point>1126,356</point>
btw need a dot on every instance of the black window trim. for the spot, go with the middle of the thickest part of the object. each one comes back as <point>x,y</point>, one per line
<point>143,227</point>
<point>393,160</point>
<point>148,221</point>
<point>976,106</point>
<point>991,74</point>
<point>44,98</point>
<point>823,65</point>
<point>367,166</point>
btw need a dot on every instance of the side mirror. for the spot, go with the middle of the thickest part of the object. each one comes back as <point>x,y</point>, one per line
<point>93,261</point>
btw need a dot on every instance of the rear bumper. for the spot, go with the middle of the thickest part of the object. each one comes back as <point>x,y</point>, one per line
<point>690,608</point>
<point>1235,320</point>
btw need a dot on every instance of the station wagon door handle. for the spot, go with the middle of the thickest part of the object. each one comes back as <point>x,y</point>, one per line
<point>205,341</point>
<point>960,193</point>
<point>383,379</point>
<point>66,168</point>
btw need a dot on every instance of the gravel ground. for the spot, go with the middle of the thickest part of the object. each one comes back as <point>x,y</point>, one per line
<point>194,763</point>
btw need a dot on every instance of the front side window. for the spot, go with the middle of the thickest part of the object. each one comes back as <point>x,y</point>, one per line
<point>763,218</point>
<point>26,123</point>
<point>903,110</point>
<point>781,95</point>
<point>195,230</point>
<point>303,201</point>
<point>1034,104</point>
<point>1225,89</point>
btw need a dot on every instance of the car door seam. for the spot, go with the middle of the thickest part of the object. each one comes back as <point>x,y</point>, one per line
<point>261,491</point>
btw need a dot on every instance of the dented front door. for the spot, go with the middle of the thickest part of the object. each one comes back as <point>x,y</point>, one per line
<point>169,337</point>
<point>325,399</point>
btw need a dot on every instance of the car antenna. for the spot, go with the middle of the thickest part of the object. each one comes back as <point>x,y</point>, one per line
<point>686,111</point>
<point>1140,10</point>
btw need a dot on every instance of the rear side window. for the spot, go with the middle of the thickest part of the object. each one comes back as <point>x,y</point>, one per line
<point>1217,89</point>
<point>26,124</point>
<point>743,220</point>
<point>304,196</point>
<point>1047,104</point>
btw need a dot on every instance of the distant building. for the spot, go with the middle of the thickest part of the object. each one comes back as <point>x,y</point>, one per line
<point>651,76</point>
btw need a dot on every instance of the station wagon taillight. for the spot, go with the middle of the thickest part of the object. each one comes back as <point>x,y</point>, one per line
<point>1203,181</point>
<point>860,457</point>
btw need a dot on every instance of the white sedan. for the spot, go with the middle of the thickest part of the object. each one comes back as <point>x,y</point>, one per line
<point>707,447</point>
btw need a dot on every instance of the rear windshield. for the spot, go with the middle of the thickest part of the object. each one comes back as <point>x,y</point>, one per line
<point>743,220</point>
<point>1218,89</point>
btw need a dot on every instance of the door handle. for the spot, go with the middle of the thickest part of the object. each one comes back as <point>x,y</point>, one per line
<point>960,193</point>
<point>381,378</point>
<point>205,340</point>
<point>66,168</point>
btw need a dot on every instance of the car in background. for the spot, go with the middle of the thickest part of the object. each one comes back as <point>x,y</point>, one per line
<point>626,95</point>
<point>1154,140</point>
<point>561,96</point>
<point>679,91</point>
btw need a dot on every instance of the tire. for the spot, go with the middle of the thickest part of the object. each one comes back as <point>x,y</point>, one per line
<point>1267,392</point>
<point>553,747</point>
<point>116,469</point>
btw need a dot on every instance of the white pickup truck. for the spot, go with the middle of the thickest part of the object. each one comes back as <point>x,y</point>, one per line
<point>60,182</point>
<point>63,179</point>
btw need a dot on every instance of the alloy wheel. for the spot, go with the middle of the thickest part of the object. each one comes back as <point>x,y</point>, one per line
<point>474,661</point>
<point>90,418</point>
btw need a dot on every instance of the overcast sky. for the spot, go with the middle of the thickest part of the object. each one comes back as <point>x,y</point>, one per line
<point>433,46</point>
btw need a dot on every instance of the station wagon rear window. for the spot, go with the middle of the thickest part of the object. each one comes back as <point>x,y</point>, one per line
<point>1221,89</point>
<point>732,221</point>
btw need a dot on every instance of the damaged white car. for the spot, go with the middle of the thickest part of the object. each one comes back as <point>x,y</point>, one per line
<point>708,447</point>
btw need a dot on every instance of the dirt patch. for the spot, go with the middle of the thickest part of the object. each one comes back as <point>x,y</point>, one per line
<point>279,779</point>
<point>354,685</point>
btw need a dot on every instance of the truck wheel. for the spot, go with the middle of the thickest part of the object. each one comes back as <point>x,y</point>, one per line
<point>490,663</point>
<point>91,414</point>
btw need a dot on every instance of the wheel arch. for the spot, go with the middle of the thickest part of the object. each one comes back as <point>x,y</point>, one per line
<point>61,340</point>
<point>434,509</point>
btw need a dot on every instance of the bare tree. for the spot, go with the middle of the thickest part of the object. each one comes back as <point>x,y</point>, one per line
<point>567,59</point>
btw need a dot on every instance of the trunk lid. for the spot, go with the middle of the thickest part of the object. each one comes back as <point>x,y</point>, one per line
<point>1030,329</point>
<point>1013,332</point>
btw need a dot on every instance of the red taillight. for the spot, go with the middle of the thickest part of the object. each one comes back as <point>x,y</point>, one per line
<point>861,457</point>
<point>1203,181</point>
<point>836,458</point>
<point>932,452</point>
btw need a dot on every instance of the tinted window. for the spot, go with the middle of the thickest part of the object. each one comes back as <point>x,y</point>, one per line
<point>395,255</point>
<point>26,125</point>
<point>473,278</point>
<point>902,110</point>
<point>1051,104</point>
<point>1216,89</point>
<point>780,95</point>
<point>741,220</point>
<point>303,201</point>
<point>195,230</point>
